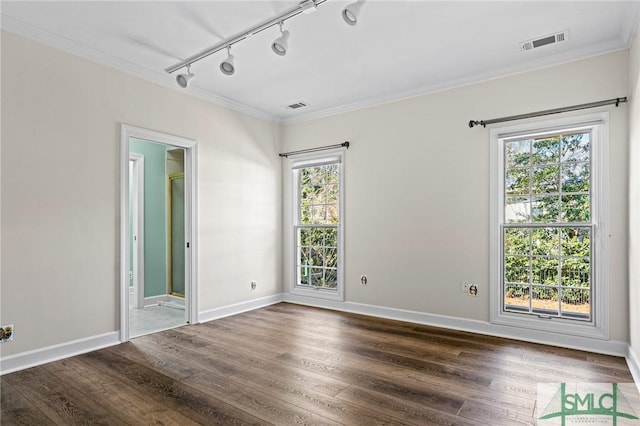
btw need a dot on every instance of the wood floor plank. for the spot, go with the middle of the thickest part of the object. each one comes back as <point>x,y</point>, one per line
<point>170,393</point>
<point>132,406</point>
<point>15,409</point>
<point>263,405</point>
<point>263,365</point>
<point>62,402</point>
<point>290,364</point>
<point>369,380</point>
<point>409,412</point>
<point>336,409</point>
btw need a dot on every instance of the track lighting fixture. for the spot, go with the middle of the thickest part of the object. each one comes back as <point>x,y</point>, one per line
<point>351,12</point>
<point>227,67</point>
<point>185,79</point>
<point>279,45</point>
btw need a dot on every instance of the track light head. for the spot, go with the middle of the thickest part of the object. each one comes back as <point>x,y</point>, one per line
<point>227,66</point>
<point>279,45</point>
<point>185,79</point>
<point>350,13</point>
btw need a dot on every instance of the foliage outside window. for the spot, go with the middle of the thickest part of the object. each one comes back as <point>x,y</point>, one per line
<point>316,230</point>
<point>547,230</point>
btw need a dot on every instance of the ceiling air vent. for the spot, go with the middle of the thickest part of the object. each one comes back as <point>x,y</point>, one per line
<point>543,41</point>
<point>297,105</point>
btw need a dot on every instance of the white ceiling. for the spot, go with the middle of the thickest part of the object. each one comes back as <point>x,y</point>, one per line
<point>398,48</point>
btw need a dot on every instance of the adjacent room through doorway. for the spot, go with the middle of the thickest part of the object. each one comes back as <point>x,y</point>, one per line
<point>157,239</point>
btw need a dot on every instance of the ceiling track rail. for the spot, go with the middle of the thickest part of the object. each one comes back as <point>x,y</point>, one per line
<point>227,43</point>
<point>485,123</point>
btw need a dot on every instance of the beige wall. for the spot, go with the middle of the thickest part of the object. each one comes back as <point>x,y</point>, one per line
<point>417,186</point>
<point>634,196</point>
<point>61,119</point>
<point>417,190</point>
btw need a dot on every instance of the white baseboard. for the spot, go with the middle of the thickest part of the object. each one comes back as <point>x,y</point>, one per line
<point>633,361</point>
<point>36,357</point>
<point>238,308</point>
<point>607,347</point>
<point>157,300</point>
<point>53,353</point>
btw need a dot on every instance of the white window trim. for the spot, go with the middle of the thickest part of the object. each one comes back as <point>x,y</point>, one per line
<point>599,326</point>
<point>297,162</point>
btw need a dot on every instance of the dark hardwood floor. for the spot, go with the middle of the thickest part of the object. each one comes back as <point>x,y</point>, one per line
<point>288,364</point>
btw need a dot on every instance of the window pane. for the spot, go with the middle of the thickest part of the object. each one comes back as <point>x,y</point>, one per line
<point>517,153</point>
<point>318,201</point>
<point>332,214</point>
<point>331,278</point>
<point>316,279</point>
<point>576,242</point>
<point>576,208</point>
<point>517,209</point>
<point>544,241</point>
<point>576,272</point>
<point>545,300</point>
<point>304,237</point>
<point>576,302</point>
<point>546,268</point>
<point>576,147</point>
<point>305,256</point>
<point>516,269</point>
<point>544,209</point>
<point>517,181</point>
<point>516,240</point>
<point>545,179</point>
<point>332,193</point>
<point>318,214</point>
<point>330,257</point>
<point>575,177</point>
<point>546,150</point>
<point>303,275</point>
<point>516,297</point>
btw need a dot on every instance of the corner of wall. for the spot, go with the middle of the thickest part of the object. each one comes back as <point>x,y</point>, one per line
<point>634,205</point>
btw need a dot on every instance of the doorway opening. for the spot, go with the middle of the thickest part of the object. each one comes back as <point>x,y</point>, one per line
<point>158,280</point>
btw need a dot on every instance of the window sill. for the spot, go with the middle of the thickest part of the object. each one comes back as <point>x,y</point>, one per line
<point>551,325</point>
<point>318,293</point>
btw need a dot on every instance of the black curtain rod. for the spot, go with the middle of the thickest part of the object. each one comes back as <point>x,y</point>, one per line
<point>484,123</point>
<point>321,148</point>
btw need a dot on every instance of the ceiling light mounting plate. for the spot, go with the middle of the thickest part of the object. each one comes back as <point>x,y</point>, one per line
<point>308,6</point>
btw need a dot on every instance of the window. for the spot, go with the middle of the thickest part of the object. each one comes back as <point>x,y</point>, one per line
<point>317,226</point>
<point>547,222</point>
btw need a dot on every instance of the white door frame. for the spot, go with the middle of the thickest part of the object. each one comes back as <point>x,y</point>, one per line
<point>138,228</point>
<point>190,172</point>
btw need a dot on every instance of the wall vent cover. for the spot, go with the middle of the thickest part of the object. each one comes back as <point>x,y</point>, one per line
<point>297,105</point>
<point>544,41</point>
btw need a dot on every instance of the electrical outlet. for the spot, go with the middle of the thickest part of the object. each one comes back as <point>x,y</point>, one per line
<point>473,290</point>
<point>253,285</point>
<point>469,288</point>
<point>6,333</point>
